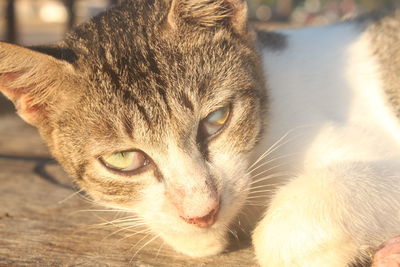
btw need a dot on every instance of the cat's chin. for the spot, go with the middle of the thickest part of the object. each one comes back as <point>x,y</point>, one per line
<point>204,244</point>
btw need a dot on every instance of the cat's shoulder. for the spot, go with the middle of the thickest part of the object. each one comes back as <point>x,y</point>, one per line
<point>371,39</point>
<point>383,30</point>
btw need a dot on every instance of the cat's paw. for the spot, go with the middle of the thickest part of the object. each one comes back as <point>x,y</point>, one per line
<point>289,243</point>
<point>301,228</point>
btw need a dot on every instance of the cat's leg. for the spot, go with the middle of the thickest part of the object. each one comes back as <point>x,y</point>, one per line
<point>331,216</point>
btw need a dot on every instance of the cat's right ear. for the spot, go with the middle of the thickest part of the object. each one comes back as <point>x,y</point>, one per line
<point>210,13</point>
<point>35,82</point>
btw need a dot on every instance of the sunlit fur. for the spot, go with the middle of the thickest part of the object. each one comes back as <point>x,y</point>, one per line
<point>142,77</point>
<point>316,144</point>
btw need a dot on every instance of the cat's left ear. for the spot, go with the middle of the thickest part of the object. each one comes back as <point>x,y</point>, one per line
<point>210,13</point>
<point>35,82</point>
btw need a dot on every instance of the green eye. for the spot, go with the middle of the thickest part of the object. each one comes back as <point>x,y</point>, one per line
<point>215,120</point>
<point>125,161</point>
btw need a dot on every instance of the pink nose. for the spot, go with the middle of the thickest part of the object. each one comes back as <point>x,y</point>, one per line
<point>205,221</point>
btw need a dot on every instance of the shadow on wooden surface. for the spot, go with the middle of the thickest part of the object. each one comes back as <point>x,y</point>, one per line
<point>44,222</point>
<point>5,105</point>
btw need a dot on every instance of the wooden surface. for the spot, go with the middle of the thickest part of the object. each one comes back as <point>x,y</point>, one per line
<point>43,222</point>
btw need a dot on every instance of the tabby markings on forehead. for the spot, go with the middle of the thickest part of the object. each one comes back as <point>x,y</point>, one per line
<point>185,101</point>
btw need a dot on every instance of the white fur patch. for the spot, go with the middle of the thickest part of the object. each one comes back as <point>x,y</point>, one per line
<point>343,196</point>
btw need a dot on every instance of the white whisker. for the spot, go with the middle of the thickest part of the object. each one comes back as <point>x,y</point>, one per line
<point>268,177</point>
<point>272,148</point>
<point>109,210</point>
<point>159,249</point>
<point>261,191</point>
<point>256,204</point>
<point>123,229</point>
<point>270,161</point>
<point>234,233</point>
<point>259,196</point>
<point>85,198</point>
<point>259,186</point>
<point>268,170</point>
<point>122,220</point>
<point>148,242</point>
<point>136,233</point>
<point>69,197</point>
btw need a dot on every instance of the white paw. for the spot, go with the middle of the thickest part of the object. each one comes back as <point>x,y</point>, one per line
<point>303,227</point>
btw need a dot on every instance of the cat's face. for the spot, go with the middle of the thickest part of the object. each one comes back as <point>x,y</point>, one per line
<point>159,107</point>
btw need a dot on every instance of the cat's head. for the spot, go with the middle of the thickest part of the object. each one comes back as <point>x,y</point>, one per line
<point>153,107</point>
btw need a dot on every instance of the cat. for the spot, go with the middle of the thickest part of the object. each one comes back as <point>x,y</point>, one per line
<point>181,113</point>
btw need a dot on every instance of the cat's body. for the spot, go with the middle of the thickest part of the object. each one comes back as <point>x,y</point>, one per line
<point>158,108</point>
<point>330,99</point>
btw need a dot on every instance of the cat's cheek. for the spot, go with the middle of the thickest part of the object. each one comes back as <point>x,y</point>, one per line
<point>234,184</point>
<point>113,190</point>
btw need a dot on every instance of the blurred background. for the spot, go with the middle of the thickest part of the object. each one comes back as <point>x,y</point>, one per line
<point>31,22</point>
<point>41,21</point>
